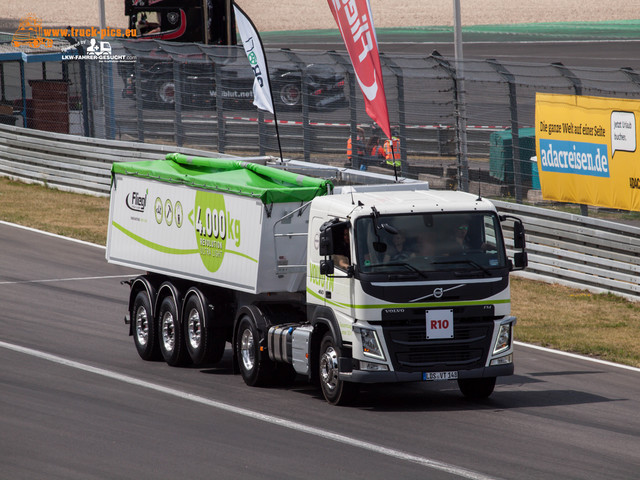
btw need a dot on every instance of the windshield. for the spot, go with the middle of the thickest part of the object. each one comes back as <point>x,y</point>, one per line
<point>429,242</point>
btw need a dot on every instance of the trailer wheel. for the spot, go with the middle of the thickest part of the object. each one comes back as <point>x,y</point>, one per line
<point>172,345</point>
<point>255,366</point>
<point>145,334</point>
<point>477,388</point>
<point>204,343</point>
<point>335,391</point>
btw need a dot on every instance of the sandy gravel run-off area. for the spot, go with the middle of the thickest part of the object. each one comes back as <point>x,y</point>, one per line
<point>315,14</point>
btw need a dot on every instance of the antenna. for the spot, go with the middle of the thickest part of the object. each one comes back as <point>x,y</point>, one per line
<point>479,187</point>
<point>360,205</point>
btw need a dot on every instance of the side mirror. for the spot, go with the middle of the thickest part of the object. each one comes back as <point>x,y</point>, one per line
<point>520,260</point>
<point>326,242</point>
<point>519,241</point>
<point>326,267</point>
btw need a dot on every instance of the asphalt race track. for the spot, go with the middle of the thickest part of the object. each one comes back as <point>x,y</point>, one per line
<point>543,46</point>
<point>76,401</point>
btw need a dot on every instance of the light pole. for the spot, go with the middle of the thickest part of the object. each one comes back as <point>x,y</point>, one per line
<point>463,162</point>
<point>103,20</point>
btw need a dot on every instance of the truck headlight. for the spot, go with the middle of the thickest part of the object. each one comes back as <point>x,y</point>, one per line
<point>370,344</point>
<point>503,342</point>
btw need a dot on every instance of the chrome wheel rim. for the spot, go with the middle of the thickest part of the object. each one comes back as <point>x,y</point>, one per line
<point>247,352</point>
<point>329,369</point>
<point>142,326</point>
<point>168,331</point>
<point>194,328</point>
<point>290,95</point>
<point>168,92</point>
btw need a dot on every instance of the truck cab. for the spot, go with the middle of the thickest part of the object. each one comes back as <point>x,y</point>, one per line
<point>200,21</point>
<point>425,294</point>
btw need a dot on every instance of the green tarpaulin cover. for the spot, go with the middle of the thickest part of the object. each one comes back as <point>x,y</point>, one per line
<point>238,177</point>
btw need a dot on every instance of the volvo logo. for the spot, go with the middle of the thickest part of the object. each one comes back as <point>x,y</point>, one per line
<point>438,293</point>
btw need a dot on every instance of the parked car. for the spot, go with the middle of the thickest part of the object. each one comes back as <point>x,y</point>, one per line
<point>323,84</point>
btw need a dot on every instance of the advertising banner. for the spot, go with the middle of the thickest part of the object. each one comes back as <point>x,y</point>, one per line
<point>355,22</point>
<point>586,149</point>
<point>255,53</point>
<point>185,232</point>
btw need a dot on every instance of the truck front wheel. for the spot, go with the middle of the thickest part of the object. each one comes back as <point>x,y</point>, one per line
<point>335,391</point>
<point>172,345</point>
<point>255,366</point>
<point>145,334</point>
<point>477,388</point>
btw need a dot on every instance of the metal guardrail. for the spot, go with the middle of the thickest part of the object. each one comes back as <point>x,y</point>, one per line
<point>578,251</point>
<point>70,162</point>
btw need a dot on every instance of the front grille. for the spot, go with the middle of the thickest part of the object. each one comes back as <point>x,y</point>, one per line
<point>410,350</point>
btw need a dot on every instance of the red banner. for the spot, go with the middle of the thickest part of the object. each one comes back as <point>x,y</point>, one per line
<point>356,27</point>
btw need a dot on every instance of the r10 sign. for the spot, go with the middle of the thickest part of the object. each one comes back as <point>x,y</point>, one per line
<point>439,324</point>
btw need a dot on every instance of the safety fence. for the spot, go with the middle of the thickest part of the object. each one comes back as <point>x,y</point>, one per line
<point>579,251</point>
<point>571,249</point>
<point>200,97</point>
<point>70,162</point>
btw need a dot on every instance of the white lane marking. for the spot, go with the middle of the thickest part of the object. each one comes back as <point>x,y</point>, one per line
<point>72,279</point>
<point>580,357</point>
<point>300,427</point>
<point>55,235</point>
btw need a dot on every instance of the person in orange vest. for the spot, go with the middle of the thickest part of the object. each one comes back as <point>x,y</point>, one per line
<point>374,150</point>
<point>392,155</point>
<point>358,147</point>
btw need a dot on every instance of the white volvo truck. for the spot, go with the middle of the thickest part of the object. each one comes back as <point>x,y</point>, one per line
<point>344,286</point>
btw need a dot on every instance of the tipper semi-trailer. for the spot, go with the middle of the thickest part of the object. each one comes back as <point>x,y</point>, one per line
<point>341,285</point>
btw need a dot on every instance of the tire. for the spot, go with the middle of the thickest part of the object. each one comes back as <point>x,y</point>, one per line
<point>164,92</point>
<point>290,95</point>
<point>334,390</point>
<point>171,333</point>
<point>204,343</point>
<point>255,366</point>
<point>477,388</point>
<point>145,333</point>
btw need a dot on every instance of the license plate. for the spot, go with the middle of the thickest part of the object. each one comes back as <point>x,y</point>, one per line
<point>437,376</point>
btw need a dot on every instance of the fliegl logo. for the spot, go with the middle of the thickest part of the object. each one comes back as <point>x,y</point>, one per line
<point>214,226</point>
<point>136,201</point>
